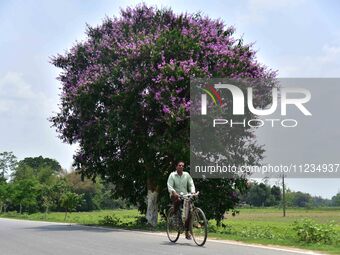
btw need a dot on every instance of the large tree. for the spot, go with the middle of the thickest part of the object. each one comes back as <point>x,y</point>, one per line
<point>125,97</point>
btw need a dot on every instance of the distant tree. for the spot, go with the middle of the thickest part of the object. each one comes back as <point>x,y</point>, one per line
<point>44,174</point>
<point>88,188</point>
<point>57,190</point>
<point>70,201</point>
<point>318,201</point>
<point>23,172</point>
<point>336,200</point>
<point>275,191</point>
<point>41,162</point>
<point>4,193</point>
<point>258,194</point>
<point>7,163</point>
<point>262,194</point>
<point>298,199</point>
<point>47,197</point>
<point>106,198</point>
<point>25,193</point>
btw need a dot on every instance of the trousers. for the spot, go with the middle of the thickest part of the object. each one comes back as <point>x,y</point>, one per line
<point>176,202</point>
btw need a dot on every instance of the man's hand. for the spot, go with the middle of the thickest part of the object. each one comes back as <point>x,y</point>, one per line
<point>174,193</point>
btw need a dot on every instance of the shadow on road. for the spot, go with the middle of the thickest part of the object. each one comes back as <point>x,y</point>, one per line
<point>181,244</point>
<point>73,228</point>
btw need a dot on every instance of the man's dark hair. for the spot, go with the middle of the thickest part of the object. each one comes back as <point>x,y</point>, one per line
<point>180,161</point>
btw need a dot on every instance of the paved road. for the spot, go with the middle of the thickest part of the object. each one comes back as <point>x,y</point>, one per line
<point>42,238</point>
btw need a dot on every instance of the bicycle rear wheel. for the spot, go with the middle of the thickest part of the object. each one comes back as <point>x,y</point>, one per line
<point>172,228</point>
<point>199,226</point>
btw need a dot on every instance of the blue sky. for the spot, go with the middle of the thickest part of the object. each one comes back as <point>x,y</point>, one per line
<point>298,38</point>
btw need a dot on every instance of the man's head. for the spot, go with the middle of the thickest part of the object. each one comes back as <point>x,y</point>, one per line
<point>180,167</point>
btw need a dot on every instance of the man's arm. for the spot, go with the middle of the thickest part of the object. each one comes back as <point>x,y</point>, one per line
<point>191,184</point>
<point>170,184</point>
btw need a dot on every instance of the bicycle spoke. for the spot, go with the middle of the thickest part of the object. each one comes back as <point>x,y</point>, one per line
<point>173,231</point>
<point>199,227</point>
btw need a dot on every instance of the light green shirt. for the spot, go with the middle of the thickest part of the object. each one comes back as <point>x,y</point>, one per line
<point>183,183</point>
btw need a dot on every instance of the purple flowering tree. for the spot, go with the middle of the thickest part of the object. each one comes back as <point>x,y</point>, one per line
<point>125,97</point>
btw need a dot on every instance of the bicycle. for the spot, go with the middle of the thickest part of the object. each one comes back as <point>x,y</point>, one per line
<point>198,225</point>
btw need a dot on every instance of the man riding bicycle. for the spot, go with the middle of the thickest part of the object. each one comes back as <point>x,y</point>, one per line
<point>180,182</point>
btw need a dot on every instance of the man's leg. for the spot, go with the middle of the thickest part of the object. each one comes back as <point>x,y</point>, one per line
<point>176,202</point>
<point>187,222</point>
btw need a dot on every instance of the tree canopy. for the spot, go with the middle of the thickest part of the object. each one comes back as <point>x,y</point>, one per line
<point>39,162</point>
<point>125,97</point>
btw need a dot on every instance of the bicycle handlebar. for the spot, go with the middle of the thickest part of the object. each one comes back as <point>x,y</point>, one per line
<point>189,195</point>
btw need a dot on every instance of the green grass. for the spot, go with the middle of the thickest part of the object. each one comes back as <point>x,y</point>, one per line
<point>320,215</point>
<point>268,226</point>
<point>253,225</point>
<point>86,218</point>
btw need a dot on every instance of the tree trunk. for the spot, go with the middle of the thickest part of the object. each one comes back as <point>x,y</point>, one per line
<point>65,215</point>
<point>20,208</point>
<point>46,211</point>
<point>218,222</point>
<point>1,206</point>
<point>152,203</point>
<point>152,209</point>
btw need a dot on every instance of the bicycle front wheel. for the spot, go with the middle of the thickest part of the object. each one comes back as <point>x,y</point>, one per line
<point>199,226</point>
<point>172,228</point>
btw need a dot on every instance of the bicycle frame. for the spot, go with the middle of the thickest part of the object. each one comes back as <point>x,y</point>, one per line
<point>196,216</point>
<point>189,199</point>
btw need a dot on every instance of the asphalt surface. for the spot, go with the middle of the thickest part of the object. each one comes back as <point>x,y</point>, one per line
<point>19,237</point>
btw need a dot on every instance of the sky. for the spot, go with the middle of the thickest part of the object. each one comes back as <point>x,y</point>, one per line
<point>298,38</point>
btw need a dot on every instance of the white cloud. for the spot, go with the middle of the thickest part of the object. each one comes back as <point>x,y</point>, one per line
<point>25,129</point>
<point>331,53</point>
<point>12,85</point>
<point>269,5</point>
<point>18,98</point>
<point>325,63</point>
<point>256,11</point>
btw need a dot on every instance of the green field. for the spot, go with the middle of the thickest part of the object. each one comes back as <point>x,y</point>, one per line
<point>259,225</point>
<point>268,226</point>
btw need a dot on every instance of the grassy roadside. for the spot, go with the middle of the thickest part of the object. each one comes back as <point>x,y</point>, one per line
<point>261,225</point>
<point>267,226</point>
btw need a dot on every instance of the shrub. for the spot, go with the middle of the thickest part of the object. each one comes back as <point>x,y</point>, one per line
<point>258,232</point>
<point>225,229</point>
<point>110,220</point>
<point>141,221</point>
<point>308,231</point>
<point>12,214</point>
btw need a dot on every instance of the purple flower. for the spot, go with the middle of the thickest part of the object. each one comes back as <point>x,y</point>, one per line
<point>112,58</point>
<point>187,106</point>
<point>179,90</point>
<point>166,109</point>
<point>172,79</point>
<point>158,96</point>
